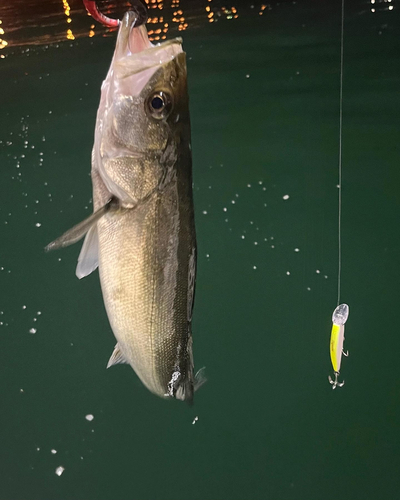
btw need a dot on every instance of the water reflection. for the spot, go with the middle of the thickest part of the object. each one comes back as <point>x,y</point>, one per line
<point>3,42</point>
<point>35,22</point>
<point>57,20</point>
<point>383,4</point>
<point>67,11</point>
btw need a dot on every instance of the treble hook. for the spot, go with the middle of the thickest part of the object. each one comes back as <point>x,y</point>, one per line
<point>137,6</point>
<point>335,383</point>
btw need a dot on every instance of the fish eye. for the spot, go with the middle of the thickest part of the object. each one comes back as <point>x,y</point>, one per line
<point>157,102</point>
<point>159,105</point>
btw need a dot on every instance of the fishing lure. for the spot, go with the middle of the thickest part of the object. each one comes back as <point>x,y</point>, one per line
<point>341,313</point>
<point>339,318</point>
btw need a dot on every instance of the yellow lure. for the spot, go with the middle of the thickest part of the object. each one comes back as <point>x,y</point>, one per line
<point>339,318</point>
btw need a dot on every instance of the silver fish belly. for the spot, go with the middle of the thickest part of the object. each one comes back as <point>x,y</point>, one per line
<point>147,271</point>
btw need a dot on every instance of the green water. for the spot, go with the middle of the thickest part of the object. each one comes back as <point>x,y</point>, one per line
<point>264,105</point>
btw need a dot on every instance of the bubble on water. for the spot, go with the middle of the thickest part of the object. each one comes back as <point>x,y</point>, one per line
<point>60,470</point>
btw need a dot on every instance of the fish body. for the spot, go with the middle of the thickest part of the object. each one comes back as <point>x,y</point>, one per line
<point>143,240</point>
<point>147,254</point>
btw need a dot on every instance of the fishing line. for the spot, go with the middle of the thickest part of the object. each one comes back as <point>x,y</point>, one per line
<point>340,159</point>
<point>341,313</point>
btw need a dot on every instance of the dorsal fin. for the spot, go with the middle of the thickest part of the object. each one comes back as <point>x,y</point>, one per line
<point>116,357</point>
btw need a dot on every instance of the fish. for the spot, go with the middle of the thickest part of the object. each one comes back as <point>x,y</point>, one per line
<point>141,235</point>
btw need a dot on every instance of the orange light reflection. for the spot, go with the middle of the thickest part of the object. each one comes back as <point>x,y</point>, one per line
<point>3,43</point>
<point>67,12</point>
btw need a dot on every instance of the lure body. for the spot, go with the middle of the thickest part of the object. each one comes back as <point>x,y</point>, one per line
<point>339,318</point>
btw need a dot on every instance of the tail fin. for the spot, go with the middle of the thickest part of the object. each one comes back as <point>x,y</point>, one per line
<point>200,378</point>
<point>185,390</point>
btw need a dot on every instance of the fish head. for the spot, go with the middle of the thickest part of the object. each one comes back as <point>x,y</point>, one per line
<point>143,109</point>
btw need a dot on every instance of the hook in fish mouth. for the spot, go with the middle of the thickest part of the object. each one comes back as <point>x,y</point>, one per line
<point>136,6</point>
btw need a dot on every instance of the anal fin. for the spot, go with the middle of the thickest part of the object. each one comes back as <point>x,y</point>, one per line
<point>116,357</point>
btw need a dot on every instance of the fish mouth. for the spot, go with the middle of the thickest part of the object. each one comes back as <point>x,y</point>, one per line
<point>133,45</point>
<point>132,35</point>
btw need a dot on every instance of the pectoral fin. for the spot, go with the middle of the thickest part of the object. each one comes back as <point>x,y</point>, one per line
<point>116,357</point>
<point>78,232</point>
